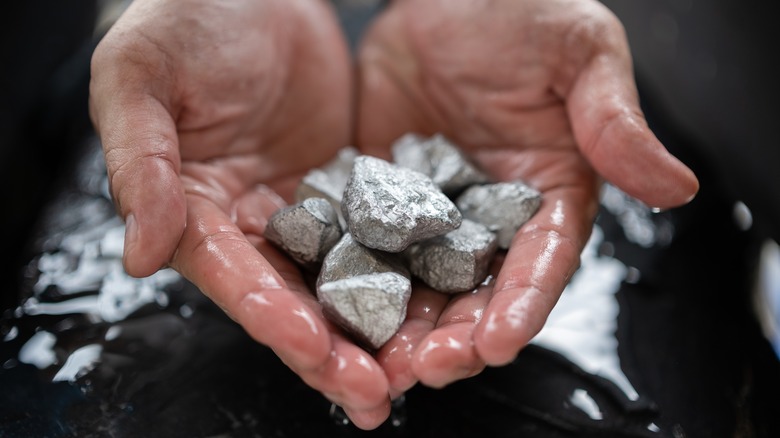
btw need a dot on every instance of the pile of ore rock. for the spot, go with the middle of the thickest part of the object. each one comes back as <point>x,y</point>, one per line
<point>367,226</point>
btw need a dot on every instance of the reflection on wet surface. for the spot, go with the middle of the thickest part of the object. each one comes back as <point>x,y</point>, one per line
<point>90,351</point>
<point>583,324</point>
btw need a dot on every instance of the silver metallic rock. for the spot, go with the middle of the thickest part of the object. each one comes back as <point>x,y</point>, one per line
<point>329,180</point>
<point>348,258</point>
<point>370,307</point>
<point>457,261</point>
<point>440,159</point>
<point>306,231</point>
<point>389,207</point>
<point>502,207</point>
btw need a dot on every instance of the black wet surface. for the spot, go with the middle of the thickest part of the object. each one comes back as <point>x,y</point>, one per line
<point>177,367</point>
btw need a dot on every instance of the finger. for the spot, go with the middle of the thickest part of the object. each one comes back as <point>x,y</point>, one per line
<point>267,297</point>
<point>422,312</point>
<point>141,151</point>
<point>541,259</point>
<point>251,211</point>
<point>613,134</point>
<point>273,308</point>
<point>352,379</point>
<point>447,354</point>
<point>369,419</point>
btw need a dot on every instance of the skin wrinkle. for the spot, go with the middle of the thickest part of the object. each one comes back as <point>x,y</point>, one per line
<point>386,70</point>
<point>617,116</point>
<point>118,171</point>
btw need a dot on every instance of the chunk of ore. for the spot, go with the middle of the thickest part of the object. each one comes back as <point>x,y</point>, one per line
<point>348,258</point>
<point>440,159</point>
<point>306,231</point>
<point>329,180</point>
<point>389,207</point>
<point>457,261</point>
<point>371,308</point>
<point>502,207</point>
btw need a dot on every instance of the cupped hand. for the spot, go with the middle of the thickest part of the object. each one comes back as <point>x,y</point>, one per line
<point>537,90</point>
<point>209,113</point>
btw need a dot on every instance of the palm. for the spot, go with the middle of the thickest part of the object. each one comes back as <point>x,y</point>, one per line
<point>209,114</point>
<point>527,89</point>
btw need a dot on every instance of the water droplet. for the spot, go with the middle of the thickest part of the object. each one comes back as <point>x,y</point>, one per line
<point>742,215</point>
<point>338,415</point>
<point>633,275</point>
<point>12,333</point>
<point>398,413</point>
<point>186,311</point>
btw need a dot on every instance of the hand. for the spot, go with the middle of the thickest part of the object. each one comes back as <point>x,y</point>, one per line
<point>540,90</point>
<point>208,111</point>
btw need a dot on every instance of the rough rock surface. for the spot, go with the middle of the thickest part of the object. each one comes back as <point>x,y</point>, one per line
<point>370,307</point>
<point>329,180</point>
<point>439,159</point>
<point>457,261</point>
<point>502,207</point>
<point>389,207</point>
<point>306,231</point>
<point>348,258</point>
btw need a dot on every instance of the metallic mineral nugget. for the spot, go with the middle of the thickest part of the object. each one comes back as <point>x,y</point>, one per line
<point>370,307</point>
<point>389,207</point>
<point>440,159</point>
<point>306,231</point>
<point>457,261</point>
<point>348,258</point>
<point>502,207</point>
<point>329,180</point>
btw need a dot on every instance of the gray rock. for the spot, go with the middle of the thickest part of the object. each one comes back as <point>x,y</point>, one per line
<point>306,231</point>
<point>348,258</point>
<point>389,207</point>
<point>329,180</point>
<point>440,159</point>
<point>457,261</point>
<point>369,307</point>
<point>502,207</point>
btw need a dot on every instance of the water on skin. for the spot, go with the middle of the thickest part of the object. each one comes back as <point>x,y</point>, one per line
<point>87,330</point>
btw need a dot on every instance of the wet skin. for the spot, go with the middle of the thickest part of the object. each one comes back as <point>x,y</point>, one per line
<point>210,113</point>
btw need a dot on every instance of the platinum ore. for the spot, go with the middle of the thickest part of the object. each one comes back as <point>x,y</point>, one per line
<point>329,180</point>
<point>364,291</point>
<point>457,261</point>
<point>348,258</point>
<point>439,159</point>
<point>306,231</point>
<point>370,307</point>
<point>397,221</point>
<point>389,207</point>
<point>502,207</point>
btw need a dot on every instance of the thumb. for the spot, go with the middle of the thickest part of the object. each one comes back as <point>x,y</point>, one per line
<point>141,151</point>
<point>613,134</point>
